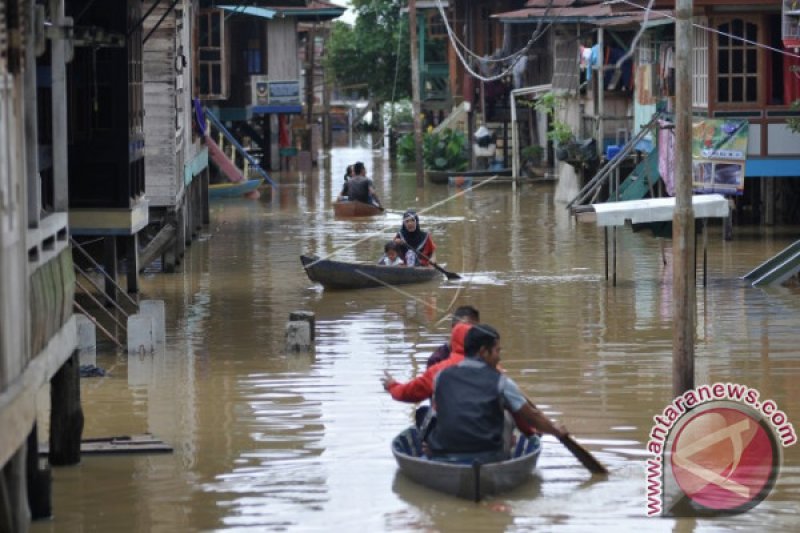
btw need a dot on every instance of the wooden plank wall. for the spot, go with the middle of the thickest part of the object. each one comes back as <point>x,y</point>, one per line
<point>281,52</point>
<point>163,178</point>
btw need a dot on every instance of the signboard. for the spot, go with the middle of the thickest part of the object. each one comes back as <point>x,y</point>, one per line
<point>283,92</point>
<point>719,152</point>
<point>266,92</point>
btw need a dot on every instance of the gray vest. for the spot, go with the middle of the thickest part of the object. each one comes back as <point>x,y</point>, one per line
<point>469,411</point>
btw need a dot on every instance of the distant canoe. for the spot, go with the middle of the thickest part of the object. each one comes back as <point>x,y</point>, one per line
<point>342,275</point>
<point>442,177</point>
<point>231,190</point>
<point>354,208</point>
<point>465,480</point>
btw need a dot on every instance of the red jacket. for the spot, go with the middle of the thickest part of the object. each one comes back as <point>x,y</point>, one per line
<point>421,387</point>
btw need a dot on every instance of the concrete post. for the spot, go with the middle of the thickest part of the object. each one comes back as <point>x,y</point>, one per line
<point>156,310</point>
<point>140,334</point>
<point>87,340</point>
<point>298,337</point>
<point>304,316</point>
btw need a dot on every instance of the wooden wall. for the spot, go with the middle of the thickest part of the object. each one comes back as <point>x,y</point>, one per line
<point>163,131</point>
<point>281,52</point>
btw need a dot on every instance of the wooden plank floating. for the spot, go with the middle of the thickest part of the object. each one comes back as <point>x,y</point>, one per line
<point>144,443</point>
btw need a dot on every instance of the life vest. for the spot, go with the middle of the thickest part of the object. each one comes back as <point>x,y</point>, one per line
<point>469,411</point>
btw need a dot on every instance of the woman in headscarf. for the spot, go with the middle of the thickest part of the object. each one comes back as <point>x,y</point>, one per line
<point>416,246</point>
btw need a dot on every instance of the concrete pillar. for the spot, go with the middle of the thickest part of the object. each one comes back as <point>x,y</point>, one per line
<point>304,316</point>
<point>156,310</point>
<point>140,334</point>
<point>298,336</point>
<point>87,340</point>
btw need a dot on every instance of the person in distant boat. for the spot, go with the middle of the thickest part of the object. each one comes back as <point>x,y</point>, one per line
<point>348,173</point>
<point>361,188</point>
<point>416,246</point>
<point>390,257</point>
<point>466,314</point>
<point>469,400</point>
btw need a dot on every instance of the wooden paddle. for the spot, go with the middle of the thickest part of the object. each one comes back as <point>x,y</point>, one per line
<point>581,454</point>
<point>450,275</point>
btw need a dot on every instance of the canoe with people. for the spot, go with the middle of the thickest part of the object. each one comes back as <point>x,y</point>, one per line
<point>358,193</point>
<point>407,258</point>
<point>481,434</point>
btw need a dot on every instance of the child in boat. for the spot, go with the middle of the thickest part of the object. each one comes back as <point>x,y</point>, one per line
<point>345,186</point>
<point>390,257</point>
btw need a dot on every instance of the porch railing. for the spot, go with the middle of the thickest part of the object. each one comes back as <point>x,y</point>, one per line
<point>228,136</point>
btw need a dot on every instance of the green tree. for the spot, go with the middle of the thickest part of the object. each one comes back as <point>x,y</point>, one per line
<point>367,53</point>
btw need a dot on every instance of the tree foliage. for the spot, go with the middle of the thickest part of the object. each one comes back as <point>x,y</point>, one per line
<point>367,53</point>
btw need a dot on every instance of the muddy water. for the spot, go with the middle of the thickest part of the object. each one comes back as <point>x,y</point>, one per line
<point>269,441</point>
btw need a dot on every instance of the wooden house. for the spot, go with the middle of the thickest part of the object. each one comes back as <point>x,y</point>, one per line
<point>176,159</point>
<point>38,334</point>
<point>105,121</point>
<point>248,72</point>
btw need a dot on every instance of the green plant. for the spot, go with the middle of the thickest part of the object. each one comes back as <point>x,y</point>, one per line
<point>559,132</point>
<point>794,123</point>
<point>533,152</point>
<point>445,150</point>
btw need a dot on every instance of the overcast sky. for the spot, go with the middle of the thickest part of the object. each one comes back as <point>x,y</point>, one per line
<point>348,16</point>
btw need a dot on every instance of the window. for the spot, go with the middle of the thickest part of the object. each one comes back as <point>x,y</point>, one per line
<point>212,69</point>
<point>737,62</point>
<point>700,64</point>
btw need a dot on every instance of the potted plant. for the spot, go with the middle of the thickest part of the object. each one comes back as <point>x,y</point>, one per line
<point>441,151</point>
<point>559,132</point>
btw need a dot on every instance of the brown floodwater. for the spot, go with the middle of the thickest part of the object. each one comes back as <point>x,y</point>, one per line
<point>266,440</point>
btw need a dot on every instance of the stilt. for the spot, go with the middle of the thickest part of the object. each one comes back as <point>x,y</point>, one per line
<point>39,481</point>
<point>110,264</point>
<point>132,255</point>
<point>66,415</point>
<point>14,513</point>
<point>204,196</point>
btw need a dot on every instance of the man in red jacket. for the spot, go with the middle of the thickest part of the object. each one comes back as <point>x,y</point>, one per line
<point>421,387</point>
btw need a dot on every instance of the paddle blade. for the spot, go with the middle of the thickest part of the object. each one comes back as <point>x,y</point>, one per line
<point>583,455</point>
<point>452,275</point>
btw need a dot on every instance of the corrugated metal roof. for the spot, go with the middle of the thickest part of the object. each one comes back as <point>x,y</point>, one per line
<point>596,12</point>
<point>252,11</point>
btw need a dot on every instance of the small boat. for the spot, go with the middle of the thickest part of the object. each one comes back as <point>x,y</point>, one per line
<point>471,481</point>
<point>354,208</point>
<point>342,275</point>
<point>231,190</point>
<point>442,177</point>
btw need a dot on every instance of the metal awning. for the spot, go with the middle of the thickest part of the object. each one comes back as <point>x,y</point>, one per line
<point>658,209</point>
<point>252,11</point>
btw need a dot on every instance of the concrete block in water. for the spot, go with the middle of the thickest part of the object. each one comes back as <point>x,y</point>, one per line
<point>156,309</point>
<point>87,340</point>
<point>298,336</point>
<point>141,338</point>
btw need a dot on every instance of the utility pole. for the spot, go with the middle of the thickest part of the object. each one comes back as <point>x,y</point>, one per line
<point>683,241</point>
<point>415,105</point>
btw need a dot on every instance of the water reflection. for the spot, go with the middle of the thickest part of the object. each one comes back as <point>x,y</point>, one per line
<point>269,440</point>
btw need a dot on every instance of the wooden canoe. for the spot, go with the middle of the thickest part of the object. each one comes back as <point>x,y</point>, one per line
<point>231,190</point>
<point>465,480</point>
<point>442,177</point>
<point>354,208</point>
<point>342,275</point>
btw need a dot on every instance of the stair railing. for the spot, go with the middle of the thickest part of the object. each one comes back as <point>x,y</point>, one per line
<point>594,185</point>
<point>239,148</point>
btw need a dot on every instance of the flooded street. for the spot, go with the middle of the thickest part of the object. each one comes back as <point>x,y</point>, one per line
<point>266,440</point>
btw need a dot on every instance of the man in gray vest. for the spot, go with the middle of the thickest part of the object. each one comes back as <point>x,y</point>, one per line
<point>470,399</point>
